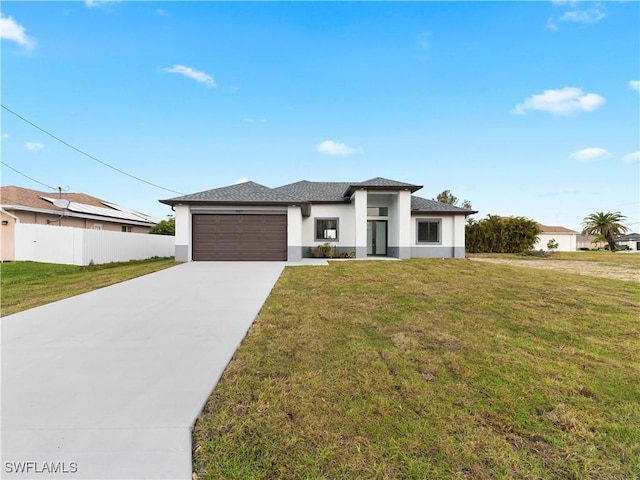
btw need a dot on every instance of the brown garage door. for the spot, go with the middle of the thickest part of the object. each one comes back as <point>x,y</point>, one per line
<point>239,237</point>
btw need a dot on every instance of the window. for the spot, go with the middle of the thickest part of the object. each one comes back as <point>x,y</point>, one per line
<point>126,228</point>
<point>97,226</point>
<point>428,231</point>
<point>327,229</point>
<point>378,211</point>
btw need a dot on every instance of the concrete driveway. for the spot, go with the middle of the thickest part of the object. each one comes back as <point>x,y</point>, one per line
<point>108,384</point>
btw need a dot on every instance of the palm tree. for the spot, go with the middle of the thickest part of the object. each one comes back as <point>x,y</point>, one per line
<point>605,225</point>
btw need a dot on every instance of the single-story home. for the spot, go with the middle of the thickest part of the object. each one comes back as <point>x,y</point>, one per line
<point>79,210</point>
<point>631,240</point>
<point>377,217</point>
<point>567,239</point>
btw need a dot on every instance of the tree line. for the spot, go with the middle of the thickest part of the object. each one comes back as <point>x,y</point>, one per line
<point>496,234</point>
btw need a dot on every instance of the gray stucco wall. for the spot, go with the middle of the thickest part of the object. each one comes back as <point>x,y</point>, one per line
<point>182,253</point>
<point>294,254</point>
<point>437,252</point>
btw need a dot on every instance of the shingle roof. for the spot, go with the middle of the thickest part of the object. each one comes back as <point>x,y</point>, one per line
<point>316,191</point>
<point>385,182</point>
<point>633,237</point>
<point>247,192</point>
<point>419,204</point>
<point>554,229</point>
<point>26,199</point>
<point>338,191</point>
<point>380,183</point>
<point>312,192</point>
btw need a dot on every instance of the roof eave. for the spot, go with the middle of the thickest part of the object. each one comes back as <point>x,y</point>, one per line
<point>440,212</point>
<point>232,203</point>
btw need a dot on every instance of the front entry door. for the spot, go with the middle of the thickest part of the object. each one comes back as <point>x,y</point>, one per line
<point>376,237</point>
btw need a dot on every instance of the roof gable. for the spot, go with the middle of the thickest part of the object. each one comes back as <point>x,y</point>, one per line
<point>246,192</point>
<point>380,183</point>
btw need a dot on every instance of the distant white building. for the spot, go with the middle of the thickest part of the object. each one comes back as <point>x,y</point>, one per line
<point>567,239</point>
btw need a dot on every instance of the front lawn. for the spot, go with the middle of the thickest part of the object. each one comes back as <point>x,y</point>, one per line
<point>30,284</point>
<point>430,369</point>
<point>624,259</point>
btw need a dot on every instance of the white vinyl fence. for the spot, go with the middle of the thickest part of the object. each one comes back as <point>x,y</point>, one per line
<point>80,246</point>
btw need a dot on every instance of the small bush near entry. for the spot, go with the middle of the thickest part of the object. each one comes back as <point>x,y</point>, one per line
<point>326,251</point>
<point>496,234</point>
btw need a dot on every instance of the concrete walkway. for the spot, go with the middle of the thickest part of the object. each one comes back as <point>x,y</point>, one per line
<point>107,385</point>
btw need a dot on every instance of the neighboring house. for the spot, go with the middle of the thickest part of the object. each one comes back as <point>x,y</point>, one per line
<point>567,239</point>
<point>632,240</point>
<point>378,217</point>
<point>588,242</point>
<point>22,205</point>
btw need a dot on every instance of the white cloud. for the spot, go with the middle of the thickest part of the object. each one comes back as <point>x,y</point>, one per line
<point>99,3</point>
<point>632,157</point>
<point>563,101</point>
<point>193,74</point>
<point>635,85</point>
<point>240,180</point>
<point>159,11</point>
<point>334,148</point>
<point>34,147</point>
<point>589,15</point>
<point>591,153</point>
<point>255,120</point>
<point>10,30</point>
<point>4,136</point>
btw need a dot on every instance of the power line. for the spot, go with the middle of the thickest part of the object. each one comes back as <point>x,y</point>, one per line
<point>86,154</point>
<point>27,176</point>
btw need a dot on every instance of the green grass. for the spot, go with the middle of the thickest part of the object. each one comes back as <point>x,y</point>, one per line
<point>430,369</point>
<point>26,285</point>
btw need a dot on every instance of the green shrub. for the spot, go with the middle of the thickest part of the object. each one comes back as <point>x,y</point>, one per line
<point>496,234</point>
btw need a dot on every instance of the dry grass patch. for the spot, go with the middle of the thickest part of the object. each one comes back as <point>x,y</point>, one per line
<point>431,369</point>
<point>604,264</point>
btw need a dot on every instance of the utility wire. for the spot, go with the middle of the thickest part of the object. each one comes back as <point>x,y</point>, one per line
<point>86,154</point>
<point>27,176</point>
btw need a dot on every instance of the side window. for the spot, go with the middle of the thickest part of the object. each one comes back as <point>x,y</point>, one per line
<point>428,231</point>
<point>327,229</point>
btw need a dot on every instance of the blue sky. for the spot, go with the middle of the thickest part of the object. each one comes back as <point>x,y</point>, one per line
<point>523,108</point>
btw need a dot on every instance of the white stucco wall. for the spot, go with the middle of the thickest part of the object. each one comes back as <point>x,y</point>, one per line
<point>567,242</point>
<point>403,201</point>
<point>452,232</point>
<point>346,225</point>
<point>183,233</point>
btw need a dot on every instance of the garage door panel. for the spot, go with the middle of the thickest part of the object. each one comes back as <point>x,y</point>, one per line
<point>239,237</point>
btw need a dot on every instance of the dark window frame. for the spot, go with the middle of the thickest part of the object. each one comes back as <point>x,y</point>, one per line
<point>321,238</point>
<point>437,222</point>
